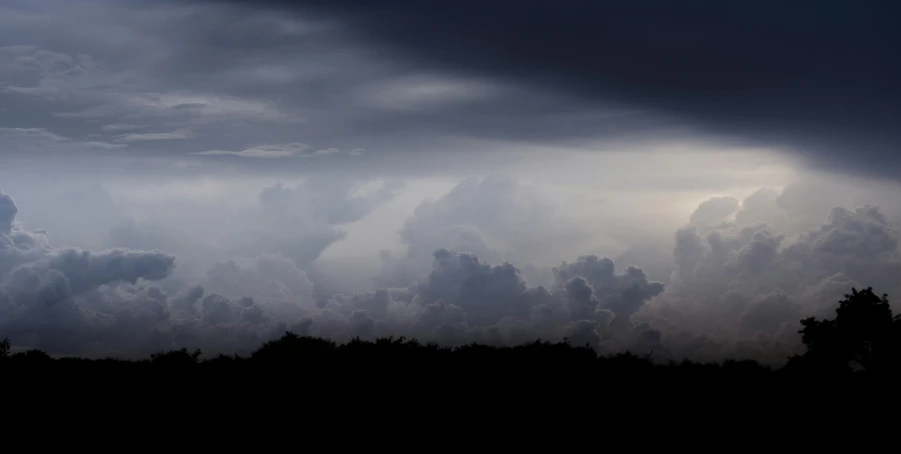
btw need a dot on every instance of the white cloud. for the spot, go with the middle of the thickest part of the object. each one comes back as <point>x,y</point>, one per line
<point>121,127</point>
<point>33,133</point>
<point>29,139</point>
<point>105,145</point>
<point>414,93</point>
<point>323,152</point>
<point>205,106</point>
<point>294,149</point>
<point>261,151</point>
<point>174,135</point>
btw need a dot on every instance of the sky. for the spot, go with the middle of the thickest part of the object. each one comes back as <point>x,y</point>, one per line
<point>688,178</point>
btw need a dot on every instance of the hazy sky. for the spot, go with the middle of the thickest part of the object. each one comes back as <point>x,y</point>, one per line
<point>211,173</point>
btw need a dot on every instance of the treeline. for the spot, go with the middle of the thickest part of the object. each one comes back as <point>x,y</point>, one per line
<point>864,337</point>
<point>293,351</point>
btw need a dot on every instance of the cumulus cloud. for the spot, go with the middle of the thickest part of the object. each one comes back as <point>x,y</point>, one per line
<point>39,285</point>
<point>486,293</point>
<point>464,299</point>
<point>498,218</point>
<point>741,287</point>
<point>743,278</point>
<point>714,211</point>
<point>8,211</point>
<point>622,294</point>
<point>231,296</point>
<point>123,300</point>
<point>298,221</point>
<point>74,301</point>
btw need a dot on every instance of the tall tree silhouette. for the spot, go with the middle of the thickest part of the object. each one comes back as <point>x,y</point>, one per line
<point>864,335</point>
<point>4,349</point>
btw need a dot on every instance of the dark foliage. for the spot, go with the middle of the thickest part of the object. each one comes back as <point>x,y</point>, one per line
<point>864,336</point>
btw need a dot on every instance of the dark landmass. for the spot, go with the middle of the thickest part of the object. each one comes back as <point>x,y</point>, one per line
<point>471,392</point>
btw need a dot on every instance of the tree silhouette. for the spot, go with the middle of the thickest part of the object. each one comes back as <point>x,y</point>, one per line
<point>864,335</point>
<point>291,349</point>
<point>4,349</point>
<point>176,358</point>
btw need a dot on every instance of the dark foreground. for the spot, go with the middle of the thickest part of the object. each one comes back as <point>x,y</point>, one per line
<point>399,357</point>
<point>854,359</point>
<point>399,394</point>
<point>525,396</point>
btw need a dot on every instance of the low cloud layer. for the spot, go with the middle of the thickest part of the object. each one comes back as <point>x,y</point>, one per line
<point>745,272</point>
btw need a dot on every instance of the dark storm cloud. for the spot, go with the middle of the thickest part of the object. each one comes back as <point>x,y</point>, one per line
<point>821,76</point>
<point>622,294</point>
<point>225,86</point>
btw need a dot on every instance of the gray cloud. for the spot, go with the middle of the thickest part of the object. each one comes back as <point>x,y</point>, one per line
<point>104,301</point>
<point>714,211</point>
<point>39,285</point>
<point>225,83</point>
<point>8,211</point>
<point>739,288</point>
<point>622,294</point>
<point>464,299</point>
<point>179,134</point>
<point>96,302</point>
<point>248,144</point>
<point>86,270</point>
<point>262,151</point>
<point>497,218</point>
<point>245,78</point>
<point>807,76</point>
<point>298,221</point>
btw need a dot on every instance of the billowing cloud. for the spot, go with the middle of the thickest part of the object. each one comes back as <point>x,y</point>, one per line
<point>8,211</point>
<point>742,286</point>
<point>714,211</point>
<point>622,294</point>
<point>497,218</point>
<point>95,302</point>
<point>39,285</point>
<point>739,288</point>
<point>298,221</point>
<point>464,299</point>
<point>73,301</point>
